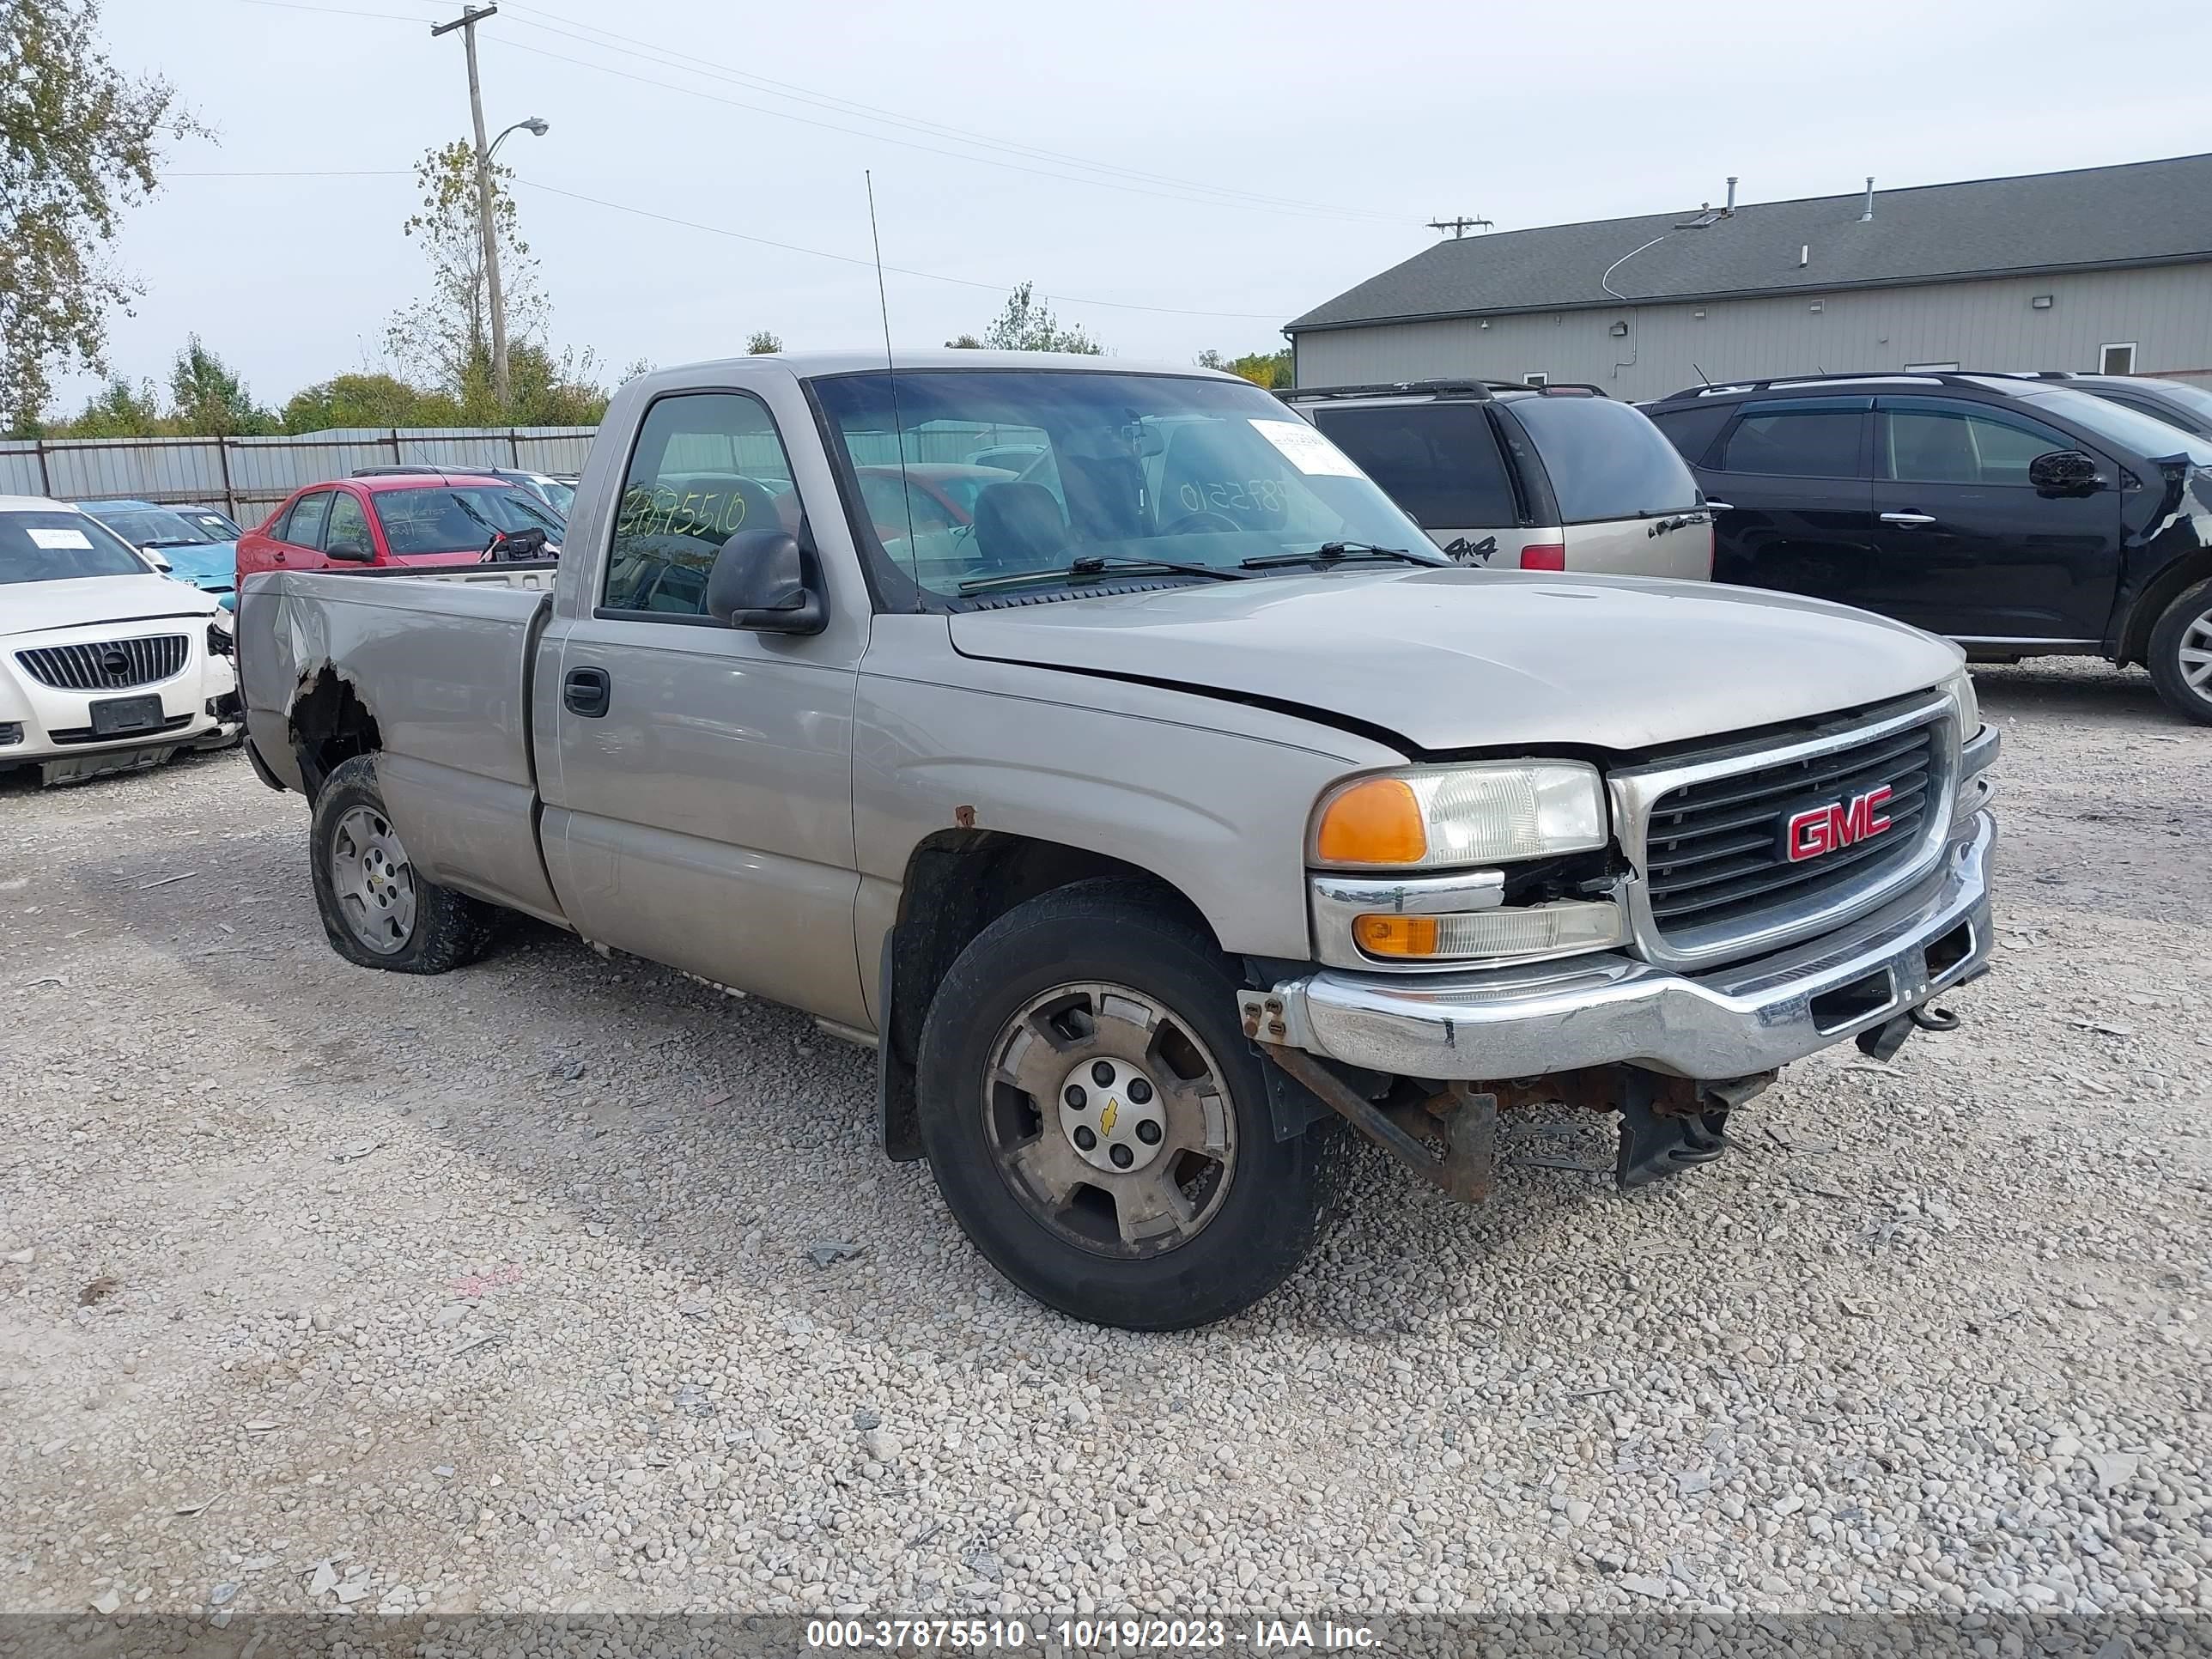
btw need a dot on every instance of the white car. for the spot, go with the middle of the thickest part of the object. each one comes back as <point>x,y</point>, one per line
<point>105,665</point>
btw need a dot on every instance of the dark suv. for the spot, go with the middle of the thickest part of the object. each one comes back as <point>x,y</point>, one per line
<point>2178,403</point>
<point>2019,517</point>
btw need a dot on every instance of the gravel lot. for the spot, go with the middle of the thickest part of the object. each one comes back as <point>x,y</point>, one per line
<point>322,1287</point>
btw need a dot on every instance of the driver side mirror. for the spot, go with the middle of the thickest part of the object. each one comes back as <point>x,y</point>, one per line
<point>765,582</point>
<point>2065,472</point>
<point>351,552</point>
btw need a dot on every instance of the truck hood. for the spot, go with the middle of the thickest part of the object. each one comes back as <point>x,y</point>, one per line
<point>1466,658</point>
<point>86,601</point>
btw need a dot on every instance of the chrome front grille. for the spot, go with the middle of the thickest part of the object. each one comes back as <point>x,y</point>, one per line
<point>1713,852</point>
<point>1707,835</point>
<point>108,664</point>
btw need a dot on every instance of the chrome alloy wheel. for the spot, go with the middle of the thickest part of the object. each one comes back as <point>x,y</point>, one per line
<point>373,880</point>
<point>2195,655</point>
<point>1108,1118</point>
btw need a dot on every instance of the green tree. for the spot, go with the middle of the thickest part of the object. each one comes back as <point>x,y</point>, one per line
<point>367,399</point>
<point>543,389</point>
<point>1027,325</point>
<point>444,337</point>
<point>118,410</point>
<point>80,142</point>
<point>965,342</point>
<point>764,344</point>
<point>1266,369</point>
<point>209,399</point>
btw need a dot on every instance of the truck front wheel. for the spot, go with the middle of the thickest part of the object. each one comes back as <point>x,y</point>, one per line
<point>1098,1123</point>
<point>376,910</point>
<point>2180,654</point>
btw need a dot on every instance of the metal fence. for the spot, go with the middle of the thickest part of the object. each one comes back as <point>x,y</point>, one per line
<point>248,477</point>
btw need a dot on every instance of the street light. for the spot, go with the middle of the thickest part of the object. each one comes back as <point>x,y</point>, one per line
<point>536,127</point>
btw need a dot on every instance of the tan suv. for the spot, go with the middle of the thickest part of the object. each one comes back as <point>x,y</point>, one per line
<point>1549,477</point>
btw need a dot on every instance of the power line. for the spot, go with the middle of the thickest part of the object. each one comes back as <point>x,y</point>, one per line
<point>299,172</point>
<point>907,144</point>
<point>668,58</point>
<point>903,270</point>
<point>1157,186</point>
<point>718,230</point>
<point>339,11</point>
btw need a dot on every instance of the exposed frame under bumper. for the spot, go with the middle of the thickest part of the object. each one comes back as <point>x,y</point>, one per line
<point>1610,1009</point>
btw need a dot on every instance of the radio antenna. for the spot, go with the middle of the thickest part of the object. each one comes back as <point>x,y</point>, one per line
<point>891,373</point>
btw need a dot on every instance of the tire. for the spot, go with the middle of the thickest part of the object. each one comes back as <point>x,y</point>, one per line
<point>375,911</point>
<point>1216,1213</point>
<point>2183,632</point>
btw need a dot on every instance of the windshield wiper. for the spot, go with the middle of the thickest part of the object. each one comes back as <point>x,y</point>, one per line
<point>1097,565</point>
<point>1330,553</point>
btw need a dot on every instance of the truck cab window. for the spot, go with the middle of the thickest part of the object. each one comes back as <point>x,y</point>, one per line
<point>706,465</point>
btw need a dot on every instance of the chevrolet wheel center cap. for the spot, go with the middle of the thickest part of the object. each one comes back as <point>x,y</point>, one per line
<point>1112,1114</point>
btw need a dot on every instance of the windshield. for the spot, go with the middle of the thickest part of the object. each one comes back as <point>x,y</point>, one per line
<point>560,496</point>
<point>61,546</point>
<point>2144,436</point>
<point>212,524</point>
<point>458,518</point>
<point>1605,459</point>
<point>1111,466</point>
<point>150,526</point>
<point>2194,398</point>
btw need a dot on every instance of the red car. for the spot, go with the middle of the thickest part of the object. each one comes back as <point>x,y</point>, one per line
<point>403,520</point>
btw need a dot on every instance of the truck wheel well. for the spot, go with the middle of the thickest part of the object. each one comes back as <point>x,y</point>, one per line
<point>2143,617</point>
<point>329,726</point>
<point>958,883</point>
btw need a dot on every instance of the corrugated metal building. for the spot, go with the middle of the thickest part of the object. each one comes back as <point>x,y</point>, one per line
<point>2102,268</point>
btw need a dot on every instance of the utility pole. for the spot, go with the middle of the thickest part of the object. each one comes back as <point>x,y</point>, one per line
<point>1458,227</point>
<point>466,23</point>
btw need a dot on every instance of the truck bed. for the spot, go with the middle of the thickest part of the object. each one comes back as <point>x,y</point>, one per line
<point>440,664</point>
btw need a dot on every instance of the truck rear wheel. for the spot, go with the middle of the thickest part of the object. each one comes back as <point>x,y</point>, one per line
<point>376,910</point>
<point>1097,1121</point>
<point>2180,654</point>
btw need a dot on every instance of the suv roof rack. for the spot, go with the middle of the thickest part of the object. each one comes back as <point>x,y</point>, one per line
<point>1474,390</point>
<point>1924,376</point>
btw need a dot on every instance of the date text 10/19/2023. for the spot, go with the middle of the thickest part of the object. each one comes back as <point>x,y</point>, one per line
<point>1258,1635</point>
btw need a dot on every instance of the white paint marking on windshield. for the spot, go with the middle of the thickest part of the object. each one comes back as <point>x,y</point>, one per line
<point>1306,449</point>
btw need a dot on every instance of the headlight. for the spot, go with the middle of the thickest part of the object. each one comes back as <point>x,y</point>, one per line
<point>1434,817</point>
<point>1961,689</point>
<point>222,642</point>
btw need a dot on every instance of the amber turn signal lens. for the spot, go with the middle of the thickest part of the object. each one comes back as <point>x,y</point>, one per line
<point>1396,935</point>
<point>1377,822</point>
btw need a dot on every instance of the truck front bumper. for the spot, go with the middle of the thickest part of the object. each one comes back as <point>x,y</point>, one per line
<point>1608,1010</point>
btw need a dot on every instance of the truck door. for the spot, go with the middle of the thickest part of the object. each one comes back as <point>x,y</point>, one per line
<point>698,793</point>
<point>1967,546</point>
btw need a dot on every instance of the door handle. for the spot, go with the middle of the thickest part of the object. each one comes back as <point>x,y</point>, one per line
<point>1909,520</point>
<point>587,691</point>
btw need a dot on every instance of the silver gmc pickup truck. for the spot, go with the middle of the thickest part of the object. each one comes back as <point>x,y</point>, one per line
<point>1151,844</point>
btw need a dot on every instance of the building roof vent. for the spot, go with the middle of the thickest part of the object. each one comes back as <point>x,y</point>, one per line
<point>1866,216</point>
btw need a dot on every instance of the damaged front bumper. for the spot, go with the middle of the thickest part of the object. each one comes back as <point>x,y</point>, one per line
<point>1612,1010</point>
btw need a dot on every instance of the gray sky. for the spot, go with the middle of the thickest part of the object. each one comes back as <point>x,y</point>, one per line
<point>1355,122</point>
